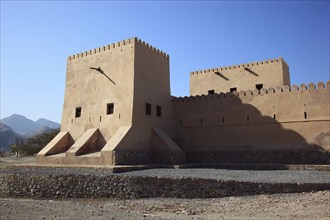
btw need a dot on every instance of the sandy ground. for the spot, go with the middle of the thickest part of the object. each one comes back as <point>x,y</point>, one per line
<point>314,205</point>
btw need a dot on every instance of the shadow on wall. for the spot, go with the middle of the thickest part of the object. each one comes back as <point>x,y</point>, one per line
<point>99,70</point>
<point>219,128</point>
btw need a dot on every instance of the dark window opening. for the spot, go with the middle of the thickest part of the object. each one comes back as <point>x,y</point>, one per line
<point>148,108</point>
<point>71,121</point>
<point>274,117</point>
<point>247,118</point>
<point>305,114</point>
<point>223,120</point>
<point>180,122</point>
<point>259,86</point>
<point>211,91</point>
<point>110,108</point>
<point>100,118</point>
<point>119,116</point>
<point>233,89</point>
<point>159,111</point>
<point>78,112</point>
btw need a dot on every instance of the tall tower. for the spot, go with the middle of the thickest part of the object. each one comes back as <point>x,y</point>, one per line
<point>116,108</point>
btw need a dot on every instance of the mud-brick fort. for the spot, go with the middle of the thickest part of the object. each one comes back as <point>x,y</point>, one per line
<point>118,110</point>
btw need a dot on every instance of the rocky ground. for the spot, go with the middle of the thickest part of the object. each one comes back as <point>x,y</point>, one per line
<point>314,205</point>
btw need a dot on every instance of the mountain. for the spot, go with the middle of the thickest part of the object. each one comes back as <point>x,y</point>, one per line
<point>47,123</point>
<point>27,127</point>
<point>43,129</point>
<point>7,137</point>
<point>20,124</point>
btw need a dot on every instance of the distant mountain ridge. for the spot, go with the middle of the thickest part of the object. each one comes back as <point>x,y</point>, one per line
<point>7,137</point>
<point>26,127</point>
<point>44,122</point>
<point>18,126</point>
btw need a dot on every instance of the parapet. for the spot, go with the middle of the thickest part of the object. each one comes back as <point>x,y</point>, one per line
<point>152,48</point>
<point>245,65</point>
<point>263,91</point>
<point>133,40</point>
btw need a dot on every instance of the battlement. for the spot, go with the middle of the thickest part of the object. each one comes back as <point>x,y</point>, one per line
<point>263,91</point>
<point>133,40</point>
<point>152,48</point>
<point>245,65</point>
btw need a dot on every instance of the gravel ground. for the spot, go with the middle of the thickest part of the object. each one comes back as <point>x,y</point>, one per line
<point>276,206</point>
<point>265,176</point>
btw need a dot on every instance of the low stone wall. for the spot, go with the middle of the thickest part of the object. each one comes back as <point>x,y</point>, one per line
<point>266,157</point>
<point>148,157</point>
<point>56,185</point>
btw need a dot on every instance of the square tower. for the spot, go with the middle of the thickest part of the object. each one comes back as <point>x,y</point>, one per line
<point>116,108</point>
<point>250,76</point>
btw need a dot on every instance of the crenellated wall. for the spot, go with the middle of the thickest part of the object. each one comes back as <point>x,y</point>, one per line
<point>273,119</point>
<point>117,45</point>
<point>269,73</point>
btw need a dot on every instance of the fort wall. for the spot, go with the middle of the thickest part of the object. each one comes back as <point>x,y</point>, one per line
<point>273,119</point>
<point>269,73</point>
<point>92,90</point>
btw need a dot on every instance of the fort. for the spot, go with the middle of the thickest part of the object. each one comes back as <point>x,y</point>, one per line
<point>118,110</point>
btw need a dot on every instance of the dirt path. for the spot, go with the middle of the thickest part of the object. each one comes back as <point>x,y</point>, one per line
<point>277,206</point>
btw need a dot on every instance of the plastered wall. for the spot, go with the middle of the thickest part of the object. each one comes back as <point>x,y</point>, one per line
<point>92,90</point>
<point>281,118</point>
<point>270,73</point>
<point>152,86</point>
<point>126,75</point>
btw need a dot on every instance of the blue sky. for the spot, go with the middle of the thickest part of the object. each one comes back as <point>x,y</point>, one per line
<point>37,37</point>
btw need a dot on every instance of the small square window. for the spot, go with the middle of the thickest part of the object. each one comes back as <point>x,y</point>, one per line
<point>110,108</point>
<point>148,108</point>
<point>233,89</point>
<point>259,86</point>
<point>211,91</point>
<point>159,110</point>
<point>78,112</point>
